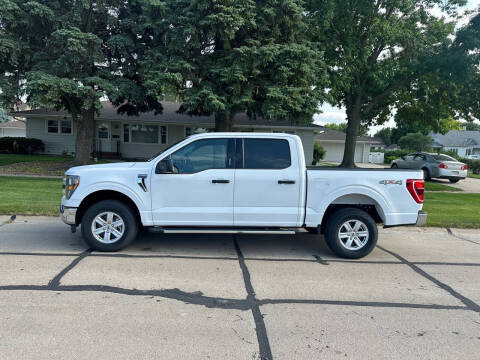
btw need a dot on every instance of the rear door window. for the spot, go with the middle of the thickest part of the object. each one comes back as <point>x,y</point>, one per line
<point>266,154</point>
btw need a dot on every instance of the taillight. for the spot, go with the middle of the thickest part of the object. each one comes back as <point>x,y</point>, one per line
<point>443,166</point>
<point>416,188</point>
<point>464,167</point>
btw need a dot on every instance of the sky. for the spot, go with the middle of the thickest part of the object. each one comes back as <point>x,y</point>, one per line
<point>331,114</point>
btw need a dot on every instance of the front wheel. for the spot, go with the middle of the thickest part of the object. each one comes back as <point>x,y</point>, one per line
<point>109,225</point>
<point>351,233</point>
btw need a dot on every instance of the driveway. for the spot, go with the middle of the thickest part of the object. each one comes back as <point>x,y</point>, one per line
<point>416,295</point>
<point>469,185</point>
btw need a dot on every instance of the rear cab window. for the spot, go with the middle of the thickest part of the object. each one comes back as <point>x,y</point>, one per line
<point>270,154</point>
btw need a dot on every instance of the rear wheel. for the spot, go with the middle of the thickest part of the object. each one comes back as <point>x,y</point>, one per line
<point>394,166</point>
<point>426,174</point>
<point>351,233</point>
<point>453,181</point>
<point>109,225</point>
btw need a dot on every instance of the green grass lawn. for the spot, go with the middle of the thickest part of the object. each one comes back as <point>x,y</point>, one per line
<point>433,186</point>
<point>29,196</point>
<point>472,175</point>
<point>452,210</point>
<point>7,159</point>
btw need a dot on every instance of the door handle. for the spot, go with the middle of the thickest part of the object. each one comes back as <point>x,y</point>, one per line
<point>220,181</point>
<point>286,181</point>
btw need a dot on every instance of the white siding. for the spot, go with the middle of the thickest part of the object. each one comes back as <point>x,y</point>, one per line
<point>54,143</point>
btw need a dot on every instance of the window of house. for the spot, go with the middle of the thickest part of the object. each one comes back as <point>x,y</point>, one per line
<point>66,126</point>
<point>52,126</point>
<point>146,134</point>
<point>126,133</point>
<point>266,154</point>
<point>59,126</point>
<point>163,134</point>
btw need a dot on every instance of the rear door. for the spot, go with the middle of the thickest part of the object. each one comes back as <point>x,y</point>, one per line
<point>267,182</point>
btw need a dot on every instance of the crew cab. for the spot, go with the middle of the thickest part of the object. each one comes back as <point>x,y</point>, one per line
<point>250,183</point>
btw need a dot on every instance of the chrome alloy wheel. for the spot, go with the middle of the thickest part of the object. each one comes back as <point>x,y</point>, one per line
<point>108,227</point>
<point>353,234</point>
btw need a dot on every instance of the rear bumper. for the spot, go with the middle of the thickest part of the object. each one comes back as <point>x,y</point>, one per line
<point>422,218</point>
<point>68,214</point>
<point>451,174</point>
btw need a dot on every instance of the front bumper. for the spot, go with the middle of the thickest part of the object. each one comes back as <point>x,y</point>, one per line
<point>422,218</point>
<point>68,214</point>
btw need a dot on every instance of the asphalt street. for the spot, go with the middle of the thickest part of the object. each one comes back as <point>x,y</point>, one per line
<point>416,296</point>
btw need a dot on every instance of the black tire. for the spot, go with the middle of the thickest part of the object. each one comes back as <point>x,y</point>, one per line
<point>336,221</point>
<point>426,174</point>
<point>126,214</point>
<point>394,166</point>
<point>453,181</point>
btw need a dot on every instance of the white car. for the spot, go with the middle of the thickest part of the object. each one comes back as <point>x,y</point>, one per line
<point>250,183</point>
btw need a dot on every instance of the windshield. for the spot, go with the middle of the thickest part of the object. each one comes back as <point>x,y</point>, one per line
<point>168,147</point>
<point>442,157</point>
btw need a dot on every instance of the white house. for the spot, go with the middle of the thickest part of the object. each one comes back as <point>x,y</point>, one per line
<point>147,134</point>
<point>333,142</point>
<point>12,129</point>
<point>463,142</point>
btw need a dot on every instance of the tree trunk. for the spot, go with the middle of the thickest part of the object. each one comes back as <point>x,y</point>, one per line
<point>223,122</point>
<point>353,118</point>
<point>85,127</point>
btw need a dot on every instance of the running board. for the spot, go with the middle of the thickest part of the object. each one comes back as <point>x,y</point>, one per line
<point>225,231</point>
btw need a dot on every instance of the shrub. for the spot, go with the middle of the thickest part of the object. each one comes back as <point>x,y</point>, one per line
<point>21,145</point>
<point>391,155</point>
<point>318,152</point>
<point>473,165</point>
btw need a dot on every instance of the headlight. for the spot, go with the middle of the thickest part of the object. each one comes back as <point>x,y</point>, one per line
<point>70,184</point>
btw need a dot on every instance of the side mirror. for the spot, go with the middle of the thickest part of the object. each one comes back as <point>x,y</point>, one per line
<point>165,166</point>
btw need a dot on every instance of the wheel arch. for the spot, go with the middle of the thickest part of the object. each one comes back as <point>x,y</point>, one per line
<point>100,195</point>
<point>357,201</point>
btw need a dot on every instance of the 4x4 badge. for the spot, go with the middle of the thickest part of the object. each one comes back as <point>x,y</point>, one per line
<point>390,182</point>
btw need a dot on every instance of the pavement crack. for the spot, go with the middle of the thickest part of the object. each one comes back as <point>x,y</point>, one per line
<point>320,260</point>
<point>450,232</point>
<point>468,303</point>
<point>265,351</point>
<point>55,282</point>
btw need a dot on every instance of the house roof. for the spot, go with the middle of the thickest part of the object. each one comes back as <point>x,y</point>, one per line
<point>457,138</point>
<point>339,136</point>
<point>169,115</point>
<point>392,147</point>
<point>13,124</point>
<point>377,140</point>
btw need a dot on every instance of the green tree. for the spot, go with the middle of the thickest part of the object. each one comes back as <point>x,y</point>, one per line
<point>71,54</point>
<point>471,126</point>
<point>4,116</point>
<point>362,131</point>
<point>386,135</point>
<point>377,51</point>
<point>416,142</point>
<point>231,56</point>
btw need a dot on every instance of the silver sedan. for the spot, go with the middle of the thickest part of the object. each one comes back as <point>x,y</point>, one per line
<point>433,166</point>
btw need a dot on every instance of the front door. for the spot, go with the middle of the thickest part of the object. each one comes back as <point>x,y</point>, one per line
<point>267,183</point>
<point>199,191</point>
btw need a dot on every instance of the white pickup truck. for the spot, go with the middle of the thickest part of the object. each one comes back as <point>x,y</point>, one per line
<point>239,183</point>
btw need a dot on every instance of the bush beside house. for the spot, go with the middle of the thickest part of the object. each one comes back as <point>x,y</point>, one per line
<point>21,145</point>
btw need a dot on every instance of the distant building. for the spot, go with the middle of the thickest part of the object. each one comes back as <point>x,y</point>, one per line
<point>12,129</point>
<point>377,143</point>
<point>333,142</point>
<point>463,142</point>
<point>392,147</point>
